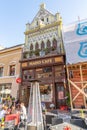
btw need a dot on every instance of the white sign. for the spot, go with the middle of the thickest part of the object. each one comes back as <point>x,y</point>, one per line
<point>75,42</point>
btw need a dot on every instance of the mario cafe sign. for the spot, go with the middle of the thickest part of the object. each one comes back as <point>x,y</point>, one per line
<point>42,61</point>
<point>45,61</point>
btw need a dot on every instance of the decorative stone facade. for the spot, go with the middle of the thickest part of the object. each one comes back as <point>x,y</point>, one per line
<point>44,58</point>
<point>44,27</point>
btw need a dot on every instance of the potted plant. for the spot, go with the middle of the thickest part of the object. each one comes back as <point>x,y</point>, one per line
<point>53,48</point>
<point>25,55</point>
<point>31,53</point>
<point>47,50</point>
<point>68,100</point>
<point>36,52</point>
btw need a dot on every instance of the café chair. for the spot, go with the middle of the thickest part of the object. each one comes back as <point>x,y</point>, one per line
<point>49,120</point>
<point>79,122</point>
<point>56,121</point>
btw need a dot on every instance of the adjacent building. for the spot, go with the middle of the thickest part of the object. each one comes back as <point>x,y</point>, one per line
<point>10,70</point>
<point>75,42</point>
<point>44,58</point>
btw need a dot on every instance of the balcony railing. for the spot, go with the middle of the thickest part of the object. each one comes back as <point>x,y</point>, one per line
<point>39,53</point>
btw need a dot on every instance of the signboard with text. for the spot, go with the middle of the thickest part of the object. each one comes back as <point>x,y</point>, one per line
<point>43,61</point>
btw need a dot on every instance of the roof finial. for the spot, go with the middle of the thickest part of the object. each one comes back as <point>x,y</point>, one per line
<point>42,6</point>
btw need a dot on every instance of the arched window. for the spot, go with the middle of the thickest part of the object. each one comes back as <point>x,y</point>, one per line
<point>31,47</point>
<point>42,45</point>
<point>48,44</point>
<point>36,46</point>
<point>55,43</point>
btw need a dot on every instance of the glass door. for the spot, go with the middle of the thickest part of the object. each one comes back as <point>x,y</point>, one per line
<point>60,94</point>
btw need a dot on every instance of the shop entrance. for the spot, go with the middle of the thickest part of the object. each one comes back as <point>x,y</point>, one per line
<point>60,94</point>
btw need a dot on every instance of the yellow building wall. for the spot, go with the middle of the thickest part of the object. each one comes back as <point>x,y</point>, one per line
<point>10,56</point>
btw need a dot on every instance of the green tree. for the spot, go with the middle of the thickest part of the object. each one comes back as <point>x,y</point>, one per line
<point>68,99</point>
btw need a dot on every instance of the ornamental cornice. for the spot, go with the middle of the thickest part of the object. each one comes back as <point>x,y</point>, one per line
<point>44,32</point>
<point>41,28</point>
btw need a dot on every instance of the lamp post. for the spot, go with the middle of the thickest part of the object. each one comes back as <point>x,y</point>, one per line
<point>35,119</point>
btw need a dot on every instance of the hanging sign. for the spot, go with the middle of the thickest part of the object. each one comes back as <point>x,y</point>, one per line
<point>18,80</point>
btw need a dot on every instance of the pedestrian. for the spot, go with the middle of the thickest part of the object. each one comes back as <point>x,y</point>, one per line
<point>23,111</point>
<point>13,109</point>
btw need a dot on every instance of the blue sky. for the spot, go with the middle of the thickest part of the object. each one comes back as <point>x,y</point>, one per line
<point>14,14</point>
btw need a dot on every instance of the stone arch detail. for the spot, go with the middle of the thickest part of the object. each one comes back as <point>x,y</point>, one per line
<point>42,45</point>
<point>54,43</point>
<point>36,46</point>
<point>31,46</point>
<point>48,44</point>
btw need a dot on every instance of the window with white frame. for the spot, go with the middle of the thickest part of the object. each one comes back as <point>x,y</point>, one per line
<point>5,90</point>
<point>1,71</point>
<point>12,70</point>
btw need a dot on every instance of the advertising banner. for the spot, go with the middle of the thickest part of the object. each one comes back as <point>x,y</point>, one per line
<point>60,95</point>
<point>75,42</point>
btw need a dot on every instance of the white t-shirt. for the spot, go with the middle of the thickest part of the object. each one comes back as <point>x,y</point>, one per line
<point>2,113</point>
<point>24,112</point>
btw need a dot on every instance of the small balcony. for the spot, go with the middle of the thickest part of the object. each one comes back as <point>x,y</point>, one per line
<point>40,53</point>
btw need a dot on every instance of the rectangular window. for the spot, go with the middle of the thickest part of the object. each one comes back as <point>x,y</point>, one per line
<point>46,92</point>
<point>47,19</point>
<point>47,69</point>
<point>12,70</point>
<point>42,19</point>
<point>5,90</point>
<point>1,71</point>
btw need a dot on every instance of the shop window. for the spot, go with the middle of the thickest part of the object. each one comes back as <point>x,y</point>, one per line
<point>12,70</point>
<point>5,90</point>
<point>46,92</point>
<point>27,74</point>
<point>60,94</point>
<point>1,71</point>
<point>26,77</point>
<point>47,69</point>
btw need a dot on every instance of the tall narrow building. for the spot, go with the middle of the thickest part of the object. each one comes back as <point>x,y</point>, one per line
<point>44,58</point>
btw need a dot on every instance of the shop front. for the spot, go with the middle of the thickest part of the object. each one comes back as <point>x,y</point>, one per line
<point>50,71</point>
